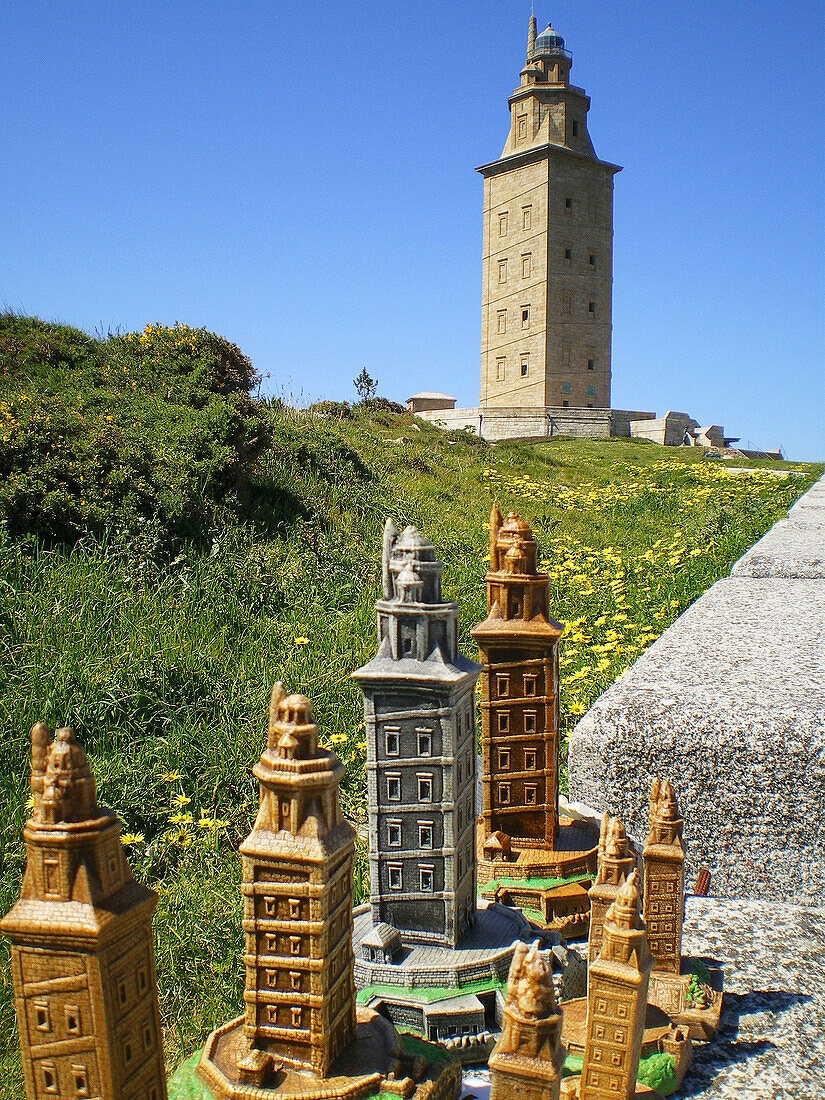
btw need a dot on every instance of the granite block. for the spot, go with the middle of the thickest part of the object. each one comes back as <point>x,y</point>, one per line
<point>729,704</point>
<point>789,549</point>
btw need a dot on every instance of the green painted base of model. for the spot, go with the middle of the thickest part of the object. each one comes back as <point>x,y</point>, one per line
<point>184,1084</point>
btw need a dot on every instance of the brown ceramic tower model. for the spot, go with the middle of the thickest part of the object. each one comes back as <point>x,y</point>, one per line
<point>522,836</point>
<point>82,951</point>
<point>617,1002</point>
<point>299,1035</point>
<point>664,860</point>
<point>616,860</point>
<point>528,1057</point>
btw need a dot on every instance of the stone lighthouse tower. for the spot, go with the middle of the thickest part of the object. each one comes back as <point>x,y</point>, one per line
<point>419,709</point>
<point>547,267</point>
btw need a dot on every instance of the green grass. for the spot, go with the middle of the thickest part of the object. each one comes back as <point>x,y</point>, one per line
<point>429,994</point>
<point>164,667</point>
<point>534,883</point>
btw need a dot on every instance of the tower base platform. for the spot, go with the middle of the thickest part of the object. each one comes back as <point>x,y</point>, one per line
<point>451,995</point>
<point>550,886</point>
<point>378,1060</point>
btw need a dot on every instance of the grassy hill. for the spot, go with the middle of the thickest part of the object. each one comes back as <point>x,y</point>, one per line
<point>151,602</point>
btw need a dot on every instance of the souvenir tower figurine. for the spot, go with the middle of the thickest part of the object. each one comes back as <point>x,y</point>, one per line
<point>616,860</point>
<point>82,951</point>
<point>522,837</point>
<point>423,926</point>
<point>527,1059</point>
<point>300,1035</point>
<point>419,708</point>
<point>664,860</point>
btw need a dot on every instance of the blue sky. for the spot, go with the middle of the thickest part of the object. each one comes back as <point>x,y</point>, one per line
<point>300,179</point>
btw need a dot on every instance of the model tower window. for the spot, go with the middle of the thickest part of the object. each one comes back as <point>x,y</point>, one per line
<point>426,694</point>
<point>548,215</point>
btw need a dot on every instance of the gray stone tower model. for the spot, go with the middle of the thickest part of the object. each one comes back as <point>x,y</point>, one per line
<point>419,708</point>
<point>548,246</point>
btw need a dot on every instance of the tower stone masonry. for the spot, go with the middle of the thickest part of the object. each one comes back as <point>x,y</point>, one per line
<point>419,708</point>
<point>82,951</point>
<point>664,863</point>
<point>547,266</point>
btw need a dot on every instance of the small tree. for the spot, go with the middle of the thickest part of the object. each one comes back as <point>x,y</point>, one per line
<point>365,386</point>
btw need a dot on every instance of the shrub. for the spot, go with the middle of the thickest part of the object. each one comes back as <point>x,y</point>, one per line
<point>153,429</point>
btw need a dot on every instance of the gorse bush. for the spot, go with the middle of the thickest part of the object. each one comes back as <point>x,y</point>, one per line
<point>151,434</point>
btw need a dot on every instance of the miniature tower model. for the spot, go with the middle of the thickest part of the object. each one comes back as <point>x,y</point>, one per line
<point>519,698</point>
<point>547,267</point>
<point>528,1057</point>
<point>617,1002</point>
<point>297,888</point>
<point>419,711</point>
<point>615,862</point>
<point>82,950</point>
<point>664,861</point>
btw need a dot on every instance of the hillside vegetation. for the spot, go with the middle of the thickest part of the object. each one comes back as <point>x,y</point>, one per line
<point>169,547</point>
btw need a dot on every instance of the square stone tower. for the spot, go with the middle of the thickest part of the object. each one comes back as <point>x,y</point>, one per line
<point>82,950</point>
<point>419,708</point>
<point>547,268</point>
<point>617,983</point>
<point>297,889</point>
<point>664,890</point>
<point>518,643</point>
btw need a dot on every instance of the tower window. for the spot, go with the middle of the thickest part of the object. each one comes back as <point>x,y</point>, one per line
<point>295,945</point>
<point>142,980</point>
<point>530,721</point>
<point>295,979</point>
<point>591,364</point>
<point>394,876</point>
<point>425,879</point>
<point>522,126</point>
<point>568,203</point>
<point>500,370</point>
<point>148,1037</point>
<point>591,307</point>
<point>502,271</point>
<point>526,266</point>
<point>504,760</point>
<point>575,128</point>
<point>526,216</point>
<point>502,320</point>
<point>591,391</point>
<point>524,366</point>
<point>425,834</point>
<point>529,685</point>
<point>504,794</point>
<point>525,316</point>
<point>49,1072</point>
<point>42,1016</point>
<point>503,721</point>
<point>592,260</point>
<point>425,788</point>
<point>394,834</point>
<point>295,908</point>
<point>530,794</point>
<point>72,1013</point>
<point>565,387</point>
<point>425,743</point>
<point>394,788</point>
<point>565,404</point>
<point>503,685</point>
<point>502,225</point>
<point>392,742</point>
<point>568,254</point>
<point>296,1016</point>
<point>530,760</point>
